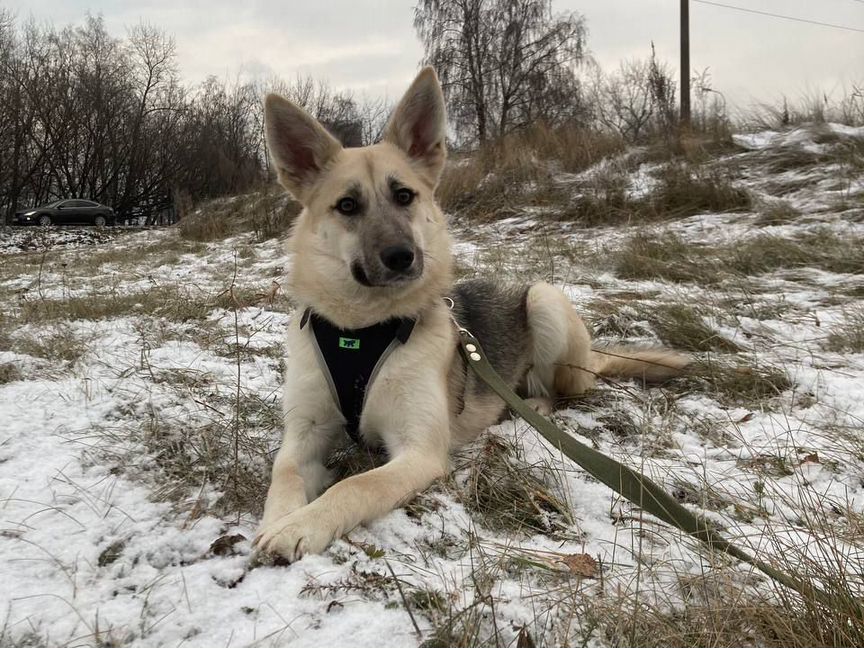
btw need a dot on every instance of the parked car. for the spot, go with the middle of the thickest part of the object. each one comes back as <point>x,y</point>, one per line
<point>67,212</point>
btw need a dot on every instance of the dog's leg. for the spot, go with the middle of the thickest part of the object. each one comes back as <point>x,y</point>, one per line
<point>299,474</point>
<point>312,428</point>
<point>346,504</point>
<point>408,408</point>
<point>561,359</point>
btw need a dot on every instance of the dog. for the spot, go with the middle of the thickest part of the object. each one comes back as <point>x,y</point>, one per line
<point>371,247</point>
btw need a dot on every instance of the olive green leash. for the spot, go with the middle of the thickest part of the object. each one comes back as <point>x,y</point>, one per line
<point>633,485</point>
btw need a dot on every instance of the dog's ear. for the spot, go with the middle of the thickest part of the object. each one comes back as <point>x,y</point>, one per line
<point>418,125</point>
<point>299,145</point>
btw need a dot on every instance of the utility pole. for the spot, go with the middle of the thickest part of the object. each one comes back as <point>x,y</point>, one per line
<point>685,64</point>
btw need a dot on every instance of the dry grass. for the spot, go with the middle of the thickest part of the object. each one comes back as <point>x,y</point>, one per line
<point>57,342</point>
<point>9,373</point>
<point>821,249</point>
<point>605,199</point>
<point>169,301</point>
<point>777,212</point>
<point>173,302</point>
<point>812,108</point>
<point>685,190</point>
<point>663,256</point>
<point>507,495</point>
<point>720,612</point>
<point>849,334</point>
<point>685,327</point>
<point>221,442</point>
<point>667,256</point>
<point>740,385</point>
<point>226,453</point>
<point>727,604</point>
<point>31,639</point>
<point>518,170</point>
<point>680,190</point>
<point>267,213</point>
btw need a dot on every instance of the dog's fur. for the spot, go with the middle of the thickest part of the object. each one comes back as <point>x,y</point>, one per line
<point>424,400</point>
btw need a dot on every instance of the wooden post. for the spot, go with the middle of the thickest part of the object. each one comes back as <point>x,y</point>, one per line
<point>685,64</point>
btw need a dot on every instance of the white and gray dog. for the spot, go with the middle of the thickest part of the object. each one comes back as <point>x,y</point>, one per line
<point>374,346</point>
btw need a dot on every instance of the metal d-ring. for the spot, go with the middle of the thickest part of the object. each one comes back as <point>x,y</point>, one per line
<point>451,304</point>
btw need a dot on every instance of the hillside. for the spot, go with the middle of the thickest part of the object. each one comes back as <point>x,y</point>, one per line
<point>139,410</point>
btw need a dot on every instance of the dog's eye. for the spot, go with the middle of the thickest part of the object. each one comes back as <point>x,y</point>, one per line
<point>347,206</point>
<point>403,196</point>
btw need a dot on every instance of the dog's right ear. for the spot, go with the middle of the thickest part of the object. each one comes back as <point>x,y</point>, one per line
<point>299,145</point>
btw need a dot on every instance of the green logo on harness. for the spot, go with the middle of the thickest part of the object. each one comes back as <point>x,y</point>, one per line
<point>349,343</point>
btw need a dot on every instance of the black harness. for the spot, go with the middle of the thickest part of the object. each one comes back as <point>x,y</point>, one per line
<point>351,359</point>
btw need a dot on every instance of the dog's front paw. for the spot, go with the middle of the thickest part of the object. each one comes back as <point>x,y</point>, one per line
<point>294,535</point>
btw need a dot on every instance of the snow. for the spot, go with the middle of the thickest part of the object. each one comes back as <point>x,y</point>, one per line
<point>800,137</point>
<point>93,553</point>
<point>60,514</point>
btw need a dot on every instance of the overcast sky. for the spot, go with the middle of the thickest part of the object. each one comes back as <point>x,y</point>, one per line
<point>370,45</point>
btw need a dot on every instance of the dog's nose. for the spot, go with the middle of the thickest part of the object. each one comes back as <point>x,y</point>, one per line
<point>397,258</point>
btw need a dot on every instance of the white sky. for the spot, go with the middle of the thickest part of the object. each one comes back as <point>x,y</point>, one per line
<point>370,46</point>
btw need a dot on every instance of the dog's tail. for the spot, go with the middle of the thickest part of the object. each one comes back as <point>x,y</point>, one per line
<point>648,365</point>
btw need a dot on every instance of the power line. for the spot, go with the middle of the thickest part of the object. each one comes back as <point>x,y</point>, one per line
<point>773,15</point>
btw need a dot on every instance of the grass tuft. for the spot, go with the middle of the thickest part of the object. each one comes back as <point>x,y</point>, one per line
<point>509,496</point>
<point>56,343</point>
<point>519,169</point>
<point>849,334</point>
<point>667,256</point>
<point>9,373</point>
<point>267,213</point>
<point>742,385</point>
<point>777,212</point>
<point>685,190</point>
<point>684,327</point>
<point>662,256</point>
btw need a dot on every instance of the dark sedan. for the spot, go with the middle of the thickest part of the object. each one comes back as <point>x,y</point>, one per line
<point>67,212</point>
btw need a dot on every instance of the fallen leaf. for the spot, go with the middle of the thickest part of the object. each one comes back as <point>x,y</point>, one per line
<point>581,564</point>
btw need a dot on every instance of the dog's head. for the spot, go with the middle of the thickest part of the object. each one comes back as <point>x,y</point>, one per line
<point>370,243</point>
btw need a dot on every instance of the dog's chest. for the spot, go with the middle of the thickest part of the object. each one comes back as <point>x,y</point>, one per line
<point>351,360</point>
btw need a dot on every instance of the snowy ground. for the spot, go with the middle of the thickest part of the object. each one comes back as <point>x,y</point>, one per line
<point>139,395</point>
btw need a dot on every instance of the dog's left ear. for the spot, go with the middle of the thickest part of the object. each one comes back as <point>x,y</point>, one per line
<point>418,126</point>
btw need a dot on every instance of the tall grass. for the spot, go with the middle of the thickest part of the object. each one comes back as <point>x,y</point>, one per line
<point>518,169</point>
<point>268,213</point>
<point>812,107</point>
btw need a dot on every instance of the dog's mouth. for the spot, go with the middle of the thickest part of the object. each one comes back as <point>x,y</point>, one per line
<point>360,275</point>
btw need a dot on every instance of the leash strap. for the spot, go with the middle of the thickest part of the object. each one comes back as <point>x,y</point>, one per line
<point>625,481</point>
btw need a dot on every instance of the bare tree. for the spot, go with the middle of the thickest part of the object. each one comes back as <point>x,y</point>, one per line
<point>637,100</point>
<point>663,88</point>
<point>623,100</point>
<point>85,114</point>
<point>503,63</point>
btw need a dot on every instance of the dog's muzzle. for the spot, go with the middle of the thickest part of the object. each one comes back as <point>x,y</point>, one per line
<point>395,265</point>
